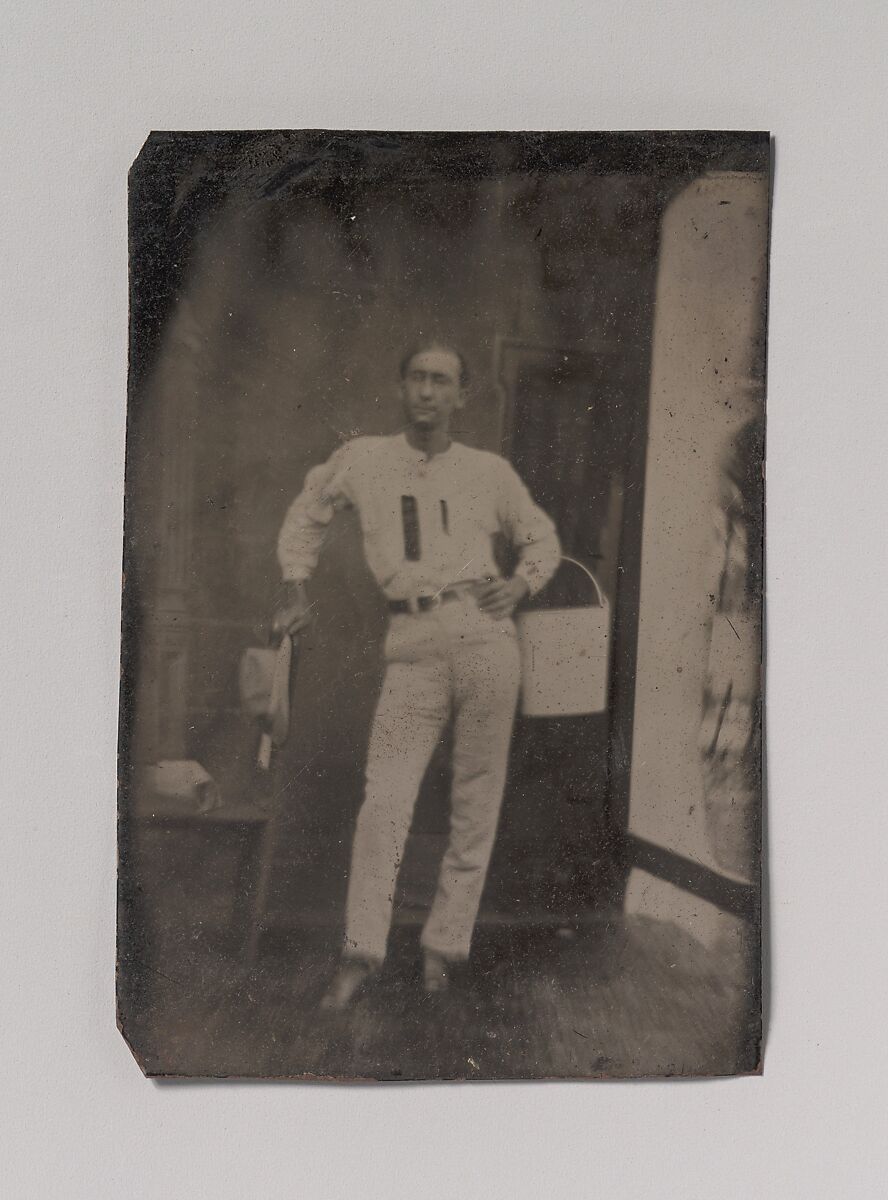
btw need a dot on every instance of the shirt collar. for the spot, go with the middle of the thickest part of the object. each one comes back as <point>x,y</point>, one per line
<point>418,456</point>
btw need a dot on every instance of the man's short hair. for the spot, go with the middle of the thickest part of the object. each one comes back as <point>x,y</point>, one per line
<point>436,344</point>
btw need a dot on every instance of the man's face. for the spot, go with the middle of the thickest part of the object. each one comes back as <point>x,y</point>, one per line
<point>431,389</point>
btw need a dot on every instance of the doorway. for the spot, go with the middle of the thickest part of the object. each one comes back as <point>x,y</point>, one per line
<point>557,853</point>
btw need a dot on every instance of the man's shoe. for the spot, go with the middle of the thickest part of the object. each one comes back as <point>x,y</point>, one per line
<point>435,972</point>
<point>351,977</point>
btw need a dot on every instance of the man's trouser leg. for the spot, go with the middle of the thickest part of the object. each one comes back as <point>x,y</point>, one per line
<point>486,682</point>
<point>412,711</point>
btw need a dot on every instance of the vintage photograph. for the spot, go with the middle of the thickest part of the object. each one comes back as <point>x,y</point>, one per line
<point>441,689</point>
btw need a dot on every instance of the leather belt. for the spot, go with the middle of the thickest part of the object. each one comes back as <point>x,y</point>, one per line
<point>423,603</point>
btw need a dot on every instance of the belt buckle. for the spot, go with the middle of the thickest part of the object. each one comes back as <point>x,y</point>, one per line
<point>420,604</point>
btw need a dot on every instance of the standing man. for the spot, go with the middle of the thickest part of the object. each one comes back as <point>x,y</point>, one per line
<point>429,508</point>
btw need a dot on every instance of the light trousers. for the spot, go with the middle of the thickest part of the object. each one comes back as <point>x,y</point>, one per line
<point>452,661</point>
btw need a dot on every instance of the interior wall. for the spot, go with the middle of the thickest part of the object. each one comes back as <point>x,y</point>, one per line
<point>286,342</point>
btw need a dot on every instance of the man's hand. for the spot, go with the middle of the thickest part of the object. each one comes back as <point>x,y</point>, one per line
<point>294,613</point>
<point>499,597</point>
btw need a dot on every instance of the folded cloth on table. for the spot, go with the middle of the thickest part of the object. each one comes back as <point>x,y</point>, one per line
<point>185,782</point>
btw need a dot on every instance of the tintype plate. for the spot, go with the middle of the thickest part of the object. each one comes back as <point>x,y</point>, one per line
<point>440,749</point>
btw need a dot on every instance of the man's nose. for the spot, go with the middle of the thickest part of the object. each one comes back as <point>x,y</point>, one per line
<point>425,389</point>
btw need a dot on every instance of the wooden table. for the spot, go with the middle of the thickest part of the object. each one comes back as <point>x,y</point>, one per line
<point>152,811</point>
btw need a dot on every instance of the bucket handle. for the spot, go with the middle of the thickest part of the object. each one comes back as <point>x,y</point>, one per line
<point>576,562</point>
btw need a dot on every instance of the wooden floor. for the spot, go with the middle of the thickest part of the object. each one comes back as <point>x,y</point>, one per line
<point>615,998</point>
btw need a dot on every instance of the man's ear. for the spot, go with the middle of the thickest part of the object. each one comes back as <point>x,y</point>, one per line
<point>462,398</point>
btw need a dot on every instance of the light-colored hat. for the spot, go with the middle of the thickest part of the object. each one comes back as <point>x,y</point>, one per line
<point>264,679</point>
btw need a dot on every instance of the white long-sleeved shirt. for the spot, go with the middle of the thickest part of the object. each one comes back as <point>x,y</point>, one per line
<point>427,523</point>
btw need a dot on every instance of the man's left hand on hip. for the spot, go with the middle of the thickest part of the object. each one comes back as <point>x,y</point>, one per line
<point>499,598</point>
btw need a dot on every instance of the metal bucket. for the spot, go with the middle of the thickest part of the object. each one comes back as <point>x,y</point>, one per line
<point>564,657</point>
